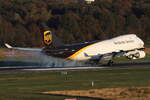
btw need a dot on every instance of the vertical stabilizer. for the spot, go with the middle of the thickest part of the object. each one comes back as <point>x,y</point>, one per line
<point>51,40</point>
<point>48,38</point>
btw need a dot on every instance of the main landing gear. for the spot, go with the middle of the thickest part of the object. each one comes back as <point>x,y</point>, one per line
<point>110,63</point>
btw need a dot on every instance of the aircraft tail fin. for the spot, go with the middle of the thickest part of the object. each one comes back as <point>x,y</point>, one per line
<point>51,40</point>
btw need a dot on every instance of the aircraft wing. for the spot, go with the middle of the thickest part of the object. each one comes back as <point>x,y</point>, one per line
<point>23,49</point>
<point>106,56</point>
<point>130,54</point>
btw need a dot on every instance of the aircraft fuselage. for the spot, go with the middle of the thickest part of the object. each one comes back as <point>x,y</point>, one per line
<point>95,49</point>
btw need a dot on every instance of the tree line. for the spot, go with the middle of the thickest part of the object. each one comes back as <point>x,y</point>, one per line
<point>73,22</point>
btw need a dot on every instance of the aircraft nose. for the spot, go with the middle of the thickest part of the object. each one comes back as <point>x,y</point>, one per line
<point>141,42</point>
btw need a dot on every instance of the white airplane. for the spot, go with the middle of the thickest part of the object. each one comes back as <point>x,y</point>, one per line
<point>129,45</point>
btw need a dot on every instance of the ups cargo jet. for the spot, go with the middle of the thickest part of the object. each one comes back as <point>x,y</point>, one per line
<point>129,45</point>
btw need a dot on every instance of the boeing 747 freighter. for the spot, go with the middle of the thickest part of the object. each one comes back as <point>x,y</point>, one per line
<point>129,45</point>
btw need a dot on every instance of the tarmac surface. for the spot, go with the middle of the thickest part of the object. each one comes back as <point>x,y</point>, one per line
<point>49,68</point>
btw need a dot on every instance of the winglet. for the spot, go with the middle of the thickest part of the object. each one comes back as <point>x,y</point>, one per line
<point>8,46</point>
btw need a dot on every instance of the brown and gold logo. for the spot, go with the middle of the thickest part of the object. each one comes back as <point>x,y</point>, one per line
<point>47,37</point>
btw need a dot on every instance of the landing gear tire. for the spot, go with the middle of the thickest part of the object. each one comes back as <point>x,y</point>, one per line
<point>110,63</point>
<point>137,55</point>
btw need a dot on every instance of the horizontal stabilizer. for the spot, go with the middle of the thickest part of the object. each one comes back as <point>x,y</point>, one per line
<point>8,46</point>
<point>23,49</point>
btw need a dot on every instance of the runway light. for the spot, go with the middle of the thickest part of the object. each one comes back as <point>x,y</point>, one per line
<point>92,83</point>
<point>64,73</point>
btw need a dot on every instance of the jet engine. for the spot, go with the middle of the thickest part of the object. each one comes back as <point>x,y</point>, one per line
<point>135,54</point>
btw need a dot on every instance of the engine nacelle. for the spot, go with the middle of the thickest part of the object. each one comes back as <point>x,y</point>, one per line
<point>135,54</point>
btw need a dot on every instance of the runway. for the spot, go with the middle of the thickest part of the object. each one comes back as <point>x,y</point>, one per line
<point>49,68</point>
<point>117,66</point>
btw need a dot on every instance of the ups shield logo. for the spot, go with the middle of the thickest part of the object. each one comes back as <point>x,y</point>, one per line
<point>47,37</point>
